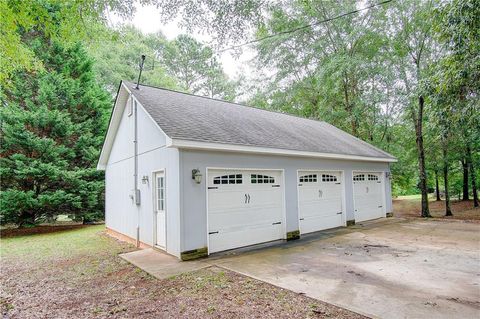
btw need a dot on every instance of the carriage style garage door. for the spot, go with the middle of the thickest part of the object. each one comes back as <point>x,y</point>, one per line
<point>319,200</point>
<point>245,207</point>
<point>368,196</point>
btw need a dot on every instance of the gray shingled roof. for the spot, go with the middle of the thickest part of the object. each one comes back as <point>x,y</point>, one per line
<point>190,117</point>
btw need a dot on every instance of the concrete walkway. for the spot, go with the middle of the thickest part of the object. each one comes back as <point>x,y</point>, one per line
<point>390,268</point>
<point>161,265</point>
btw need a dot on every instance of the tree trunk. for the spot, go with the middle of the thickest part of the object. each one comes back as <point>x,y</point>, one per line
<point>472,177</point>
<point>448,209</point>
<point>418,120</point>
<point>26,218</point>
<point>349,107</point>
<point>437,188</point>
<point>465,179</point>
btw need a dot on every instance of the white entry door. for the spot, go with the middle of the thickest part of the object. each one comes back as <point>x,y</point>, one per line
<point>159,196</point>
<point>320,200</point>
<point>245,207</point>
<point>368,196</point>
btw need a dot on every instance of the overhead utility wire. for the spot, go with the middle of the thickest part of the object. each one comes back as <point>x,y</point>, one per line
<point>304,27</point>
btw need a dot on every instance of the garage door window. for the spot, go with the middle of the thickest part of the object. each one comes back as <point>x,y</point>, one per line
<point>262,179</point>
<point>228,179</point>
<point>312,178</point>
<point>359,177</point>
<point>329,178</point>
<point>372,177</point>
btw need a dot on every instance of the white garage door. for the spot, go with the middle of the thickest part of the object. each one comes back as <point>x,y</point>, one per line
<point>368,196</point>
<point>320,200</point>
<point>244,208</point>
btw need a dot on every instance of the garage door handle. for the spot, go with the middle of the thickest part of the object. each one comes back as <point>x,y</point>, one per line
<point>246,198</point>
<point>212,187</point>
<point>380,206</point>
<point>277,223</point>
<point>213,232</point>
<point>275,185</point>
<point>338,183</point>
<point>339,213</point>
<point>302,218</point>
<point>249,198</point>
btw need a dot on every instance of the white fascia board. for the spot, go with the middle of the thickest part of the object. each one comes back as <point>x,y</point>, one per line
<point>116,117</point>
<point>187,144</point>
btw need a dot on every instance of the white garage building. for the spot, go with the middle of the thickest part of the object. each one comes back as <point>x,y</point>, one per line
<point>192,175</point>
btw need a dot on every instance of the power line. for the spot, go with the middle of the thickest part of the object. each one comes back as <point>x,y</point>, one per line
<point>304,26</point>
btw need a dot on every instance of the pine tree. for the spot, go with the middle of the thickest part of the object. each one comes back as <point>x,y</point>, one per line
<point>53,124</point>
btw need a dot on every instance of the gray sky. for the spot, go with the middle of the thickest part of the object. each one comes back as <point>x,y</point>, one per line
<point>147,19</point>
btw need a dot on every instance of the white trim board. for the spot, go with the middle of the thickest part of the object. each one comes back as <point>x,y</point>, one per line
<point>124,93</point>
<point>188,144</point>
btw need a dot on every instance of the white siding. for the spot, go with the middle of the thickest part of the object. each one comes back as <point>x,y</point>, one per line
<point>194,214</point>
<point>121,213</point>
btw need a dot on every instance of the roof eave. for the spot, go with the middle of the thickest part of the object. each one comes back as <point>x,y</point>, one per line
<point>189,144</point>
<point>111,130</point>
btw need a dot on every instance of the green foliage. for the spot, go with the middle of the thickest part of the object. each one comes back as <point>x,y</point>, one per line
<point>182,64</point>
<point>225,20</point>
<point>196,68</point>
<point>118,57</point>
<point>63,21</point>
<point>363,73</point>
<point>453,86</point>
<point>53,123</point>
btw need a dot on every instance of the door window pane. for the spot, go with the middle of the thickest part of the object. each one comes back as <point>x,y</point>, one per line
<point>160,193</point>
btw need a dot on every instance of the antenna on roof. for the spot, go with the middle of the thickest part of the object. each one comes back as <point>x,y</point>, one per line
<point>142,61</point>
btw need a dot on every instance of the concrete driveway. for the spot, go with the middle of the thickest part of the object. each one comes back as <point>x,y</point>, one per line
<point>391,268</point>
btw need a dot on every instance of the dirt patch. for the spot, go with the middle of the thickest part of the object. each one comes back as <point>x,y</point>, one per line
<point>91,281</point>
<point>462,210</point>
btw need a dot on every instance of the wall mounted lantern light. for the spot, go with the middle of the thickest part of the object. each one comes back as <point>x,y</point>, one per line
<point>196,175</point>
<point>145,179</point>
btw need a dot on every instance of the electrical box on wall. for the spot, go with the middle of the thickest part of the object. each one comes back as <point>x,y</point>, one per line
<point>137,197</point>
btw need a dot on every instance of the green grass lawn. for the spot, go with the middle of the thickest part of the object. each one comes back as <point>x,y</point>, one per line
<point>416,196</point>
<point>78,274</point>
<point>60,245</point>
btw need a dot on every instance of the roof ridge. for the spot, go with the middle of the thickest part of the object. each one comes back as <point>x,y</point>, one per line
<point>235,103</point>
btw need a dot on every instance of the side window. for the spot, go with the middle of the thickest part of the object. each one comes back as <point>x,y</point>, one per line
<point>359,177</point>
<point>329,178</point>
<point>372,177</point>
<point>308,178</point>
<point>261,179</point>
<point>228,179</point>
